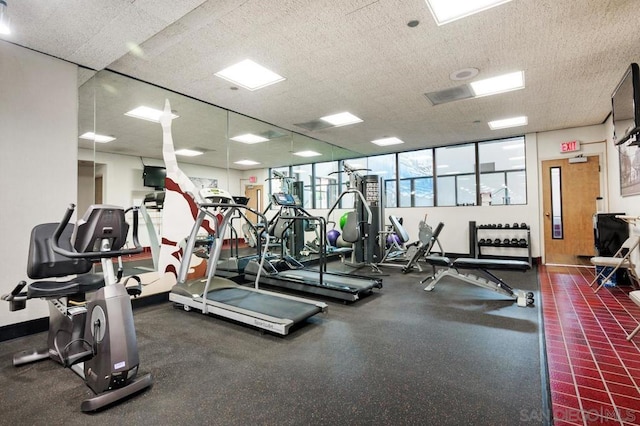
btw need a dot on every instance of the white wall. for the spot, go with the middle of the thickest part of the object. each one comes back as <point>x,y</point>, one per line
<point>38,164</point>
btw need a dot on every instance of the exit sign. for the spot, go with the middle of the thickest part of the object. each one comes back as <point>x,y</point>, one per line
<point>570,146</point>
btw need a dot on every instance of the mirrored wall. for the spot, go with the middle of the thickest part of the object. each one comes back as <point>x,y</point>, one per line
<point>214,146</point>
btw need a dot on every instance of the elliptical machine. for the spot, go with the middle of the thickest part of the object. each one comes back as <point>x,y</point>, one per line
<point>94,336</point>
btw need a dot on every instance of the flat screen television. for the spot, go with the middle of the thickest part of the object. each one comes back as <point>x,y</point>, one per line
<point>154,176</point>
<point>625,103</point>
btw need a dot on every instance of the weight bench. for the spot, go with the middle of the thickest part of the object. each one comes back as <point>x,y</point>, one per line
<point>490,281</point>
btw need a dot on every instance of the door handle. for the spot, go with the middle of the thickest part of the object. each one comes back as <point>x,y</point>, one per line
<point>547,214</point>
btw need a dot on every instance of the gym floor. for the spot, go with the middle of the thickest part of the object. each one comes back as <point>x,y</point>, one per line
<point>457,355</point>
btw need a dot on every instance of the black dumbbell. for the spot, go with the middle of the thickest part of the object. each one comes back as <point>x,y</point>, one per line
<point>499,225</point>
<point>514,241</point>
<point>506,242</point>
<point>481,242</point>
<point>524,226</point>
<point>516,225</point>
<point>507,226</point>
<point>522,242</point>
<point>497,242</point>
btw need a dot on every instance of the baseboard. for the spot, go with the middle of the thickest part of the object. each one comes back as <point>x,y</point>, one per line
<point>152,299</point>
<point>21,329</point>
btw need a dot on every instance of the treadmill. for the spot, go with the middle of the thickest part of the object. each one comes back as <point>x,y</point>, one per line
<point>219,296</point>
<point>287,272</point>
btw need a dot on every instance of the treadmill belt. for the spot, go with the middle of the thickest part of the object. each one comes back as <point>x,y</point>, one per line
<point>278,307</point>
<point>338,282</point>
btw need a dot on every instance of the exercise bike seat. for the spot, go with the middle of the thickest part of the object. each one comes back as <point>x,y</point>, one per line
<point>54,289</point>
<point>44,265</point>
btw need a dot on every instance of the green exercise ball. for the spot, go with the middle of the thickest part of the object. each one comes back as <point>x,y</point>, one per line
<point>343,220</point>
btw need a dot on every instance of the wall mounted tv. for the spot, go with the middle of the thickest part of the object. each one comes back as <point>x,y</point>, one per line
<point>154,176</point>
<point>625,103</point>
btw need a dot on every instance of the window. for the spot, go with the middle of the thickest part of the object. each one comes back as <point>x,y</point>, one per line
<point>556,203</point>
<point>455,175</point>
<point>276,184</point>
<point>415,171</point>
<point>443,176</point>
<point>326,184</point>
<point>302,180</point>
<point>502,171</point>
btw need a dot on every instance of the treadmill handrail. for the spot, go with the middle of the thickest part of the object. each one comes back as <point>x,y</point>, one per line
<point>323,231</point>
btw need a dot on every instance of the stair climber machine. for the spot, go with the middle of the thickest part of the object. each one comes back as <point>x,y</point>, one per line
<point>219,296</point>
<point>287,272</point>
<point>94,335</point>
<point>362,224</point>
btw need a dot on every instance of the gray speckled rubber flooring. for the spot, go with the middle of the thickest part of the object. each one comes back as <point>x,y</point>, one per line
<point>402,356</point>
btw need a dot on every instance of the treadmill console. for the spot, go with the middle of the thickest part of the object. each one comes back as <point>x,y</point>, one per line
<point>216,195</point>
<point>285,200</point>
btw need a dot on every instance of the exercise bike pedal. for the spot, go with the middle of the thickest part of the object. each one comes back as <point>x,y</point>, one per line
<point>78,357</point>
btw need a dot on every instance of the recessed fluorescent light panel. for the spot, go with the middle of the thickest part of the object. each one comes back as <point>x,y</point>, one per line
<point>508,122</point>
<point>188,152</point>
<point>249,138</point>
<point>97,138</point>
<point>249,75</point>
<point>307,154</point>
<point>247,162</point>
<point>500,84</point>
<point>341,119</point>
<point>445,11</point>
<point>387,141</point>
<point>147,113</point>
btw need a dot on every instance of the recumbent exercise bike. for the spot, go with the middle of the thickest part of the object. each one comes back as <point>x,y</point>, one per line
<point>94,336</point>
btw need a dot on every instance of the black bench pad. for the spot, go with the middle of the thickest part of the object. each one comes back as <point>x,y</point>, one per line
<point>438,260</point>
<point>503,264</point>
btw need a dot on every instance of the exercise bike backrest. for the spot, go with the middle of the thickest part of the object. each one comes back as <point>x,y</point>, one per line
<point>61,249</point>
<point>100,234</point>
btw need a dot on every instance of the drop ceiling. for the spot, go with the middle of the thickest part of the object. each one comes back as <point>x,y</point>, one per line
<point>355,55</point>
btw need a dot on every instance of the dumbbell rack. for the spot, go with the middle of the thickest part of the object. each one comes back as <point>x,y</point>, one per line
<point>487,237</point>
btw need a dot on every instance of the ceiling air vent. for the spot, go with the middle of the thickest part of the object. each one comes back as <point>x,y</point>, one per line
<point>314,125</point>
<point>449,95</point>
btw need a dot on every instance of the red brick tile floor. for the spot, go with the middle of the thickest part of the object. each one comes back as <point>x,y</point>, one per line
<point>594,372</point>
